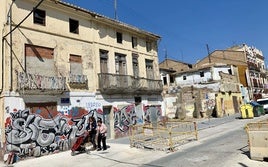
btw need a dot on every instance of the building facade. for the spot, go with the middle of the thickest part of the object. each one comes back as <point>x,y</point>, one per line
<point>62,64</point>
<point>211,90</point>
<point>257,77</point>
<point>251,67</point>
<point>168,68</point>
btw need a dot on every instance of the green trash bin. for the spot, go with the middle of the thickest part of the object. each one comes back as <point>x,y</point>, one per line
<point>261,110</point>
<point>257,109</point>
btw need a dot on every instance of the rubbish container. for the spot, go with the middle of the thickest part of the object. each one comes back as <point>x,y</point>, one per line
<point>246,111</point>
<point>257,109</point>
<point>257,137</point>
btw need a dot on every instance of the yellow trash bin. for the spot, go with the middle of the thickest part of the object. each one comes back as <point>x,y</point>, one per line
<point>246,111</point>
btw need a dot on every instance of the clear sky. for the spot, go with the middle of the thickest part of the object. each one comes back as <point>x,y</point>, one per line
<point>187,26</point>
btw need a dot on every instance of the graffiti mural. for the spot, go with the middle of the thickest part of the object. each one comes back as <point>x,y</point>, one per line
<point>31,134</point>
<point>123,118</point>
<point>152,114</point>
<point>39,131</point>
<point>92,108</point>
<point>209,102</point>
<point>127,116</point>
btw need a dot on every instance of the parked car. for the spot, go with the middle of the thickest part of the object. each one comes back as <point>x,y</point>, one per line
<point>264,103</point>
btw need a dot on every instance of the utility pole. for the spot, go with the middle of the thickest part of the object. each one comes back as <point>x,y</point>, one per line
<point>208,54</point>
<point>115,10</point>
<point>166,57</point>
<point>181,55</point>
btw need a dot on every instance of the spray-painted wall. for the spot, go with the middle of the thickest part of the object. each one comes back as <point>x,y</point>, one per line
<point>42,130</point>
<point>46,129</point>
<point>208,103</point>
<point>128,115</point>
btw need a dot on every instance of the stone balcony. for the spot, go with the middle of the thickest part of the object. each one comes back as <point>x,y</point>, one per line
<point>125,84</point>
<point>36,84</point>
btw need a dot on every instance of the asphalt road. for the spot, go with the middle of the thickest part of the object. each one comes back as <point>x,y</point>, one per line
<point>221,146</point>
<point>212,152</point>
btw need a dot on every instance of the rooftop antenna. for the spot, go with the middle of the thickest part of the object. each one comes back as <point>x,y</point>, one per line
<point>181,55</point>
<point>166,56</point>
<point>115,9</point>
<point>208,54</point>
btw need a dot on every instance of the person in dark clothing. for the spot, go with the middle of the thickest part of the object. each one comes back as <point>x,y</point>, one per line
<point>101,133</point>
<point>92,125</point>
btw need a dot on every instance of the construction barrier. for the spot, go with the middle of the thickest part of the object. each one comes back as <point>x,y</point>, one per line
<point>258,140</point>
<point>163,136</point>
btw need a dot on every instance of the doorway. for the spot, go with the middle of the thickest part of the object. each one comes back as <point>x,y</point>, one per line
<point>106,119</point>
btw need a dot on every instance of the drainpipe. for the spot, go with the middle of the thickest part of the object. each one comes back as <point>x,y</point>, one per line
<point>2,77</point>
<point>11,45</point>
<point>11,49</point>
<point>11,31</point>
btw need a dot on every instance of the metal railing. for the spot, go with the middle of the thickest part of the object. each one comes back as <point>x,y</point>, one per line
<point>165,136</point>
<point>28,81</point>
<point>127,83</point>
<point>80,79</point>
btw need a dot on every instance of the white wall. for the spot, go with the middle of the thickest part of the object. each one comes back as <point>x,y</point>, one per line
<point>195,78</point>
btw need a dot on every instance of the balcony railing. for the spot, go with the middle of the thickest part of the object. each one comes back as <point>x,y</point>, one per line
<point>78,81</point>
<point>114,83</point>
<point>28,81</point>
<point>253,66</point>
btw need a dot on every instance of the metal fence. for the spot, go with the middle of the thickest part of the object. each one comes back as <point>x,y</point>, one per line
<point>165,136</point>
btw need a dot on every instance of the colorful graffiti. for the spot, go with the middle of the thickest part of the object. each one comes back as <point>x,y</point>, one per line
<point>123,118</point>
<point>30,134</point>
<point>209,102</point>
<point>130,115</point>
<point>44,130</point>
<point>152,114</point>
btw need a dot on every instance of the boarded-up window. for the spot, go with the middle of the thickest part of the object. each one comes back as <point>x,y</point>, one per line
<point>75,64</point>
<point>47,110</point>
<point>104,61</point>
<point>120,64</point>
<point>135,64</point>
<point>39,60</point>
<point>149,69</point>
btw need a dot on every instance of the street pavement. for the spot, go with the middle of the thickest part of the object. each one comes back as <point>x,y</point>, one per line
<point>119,152</point>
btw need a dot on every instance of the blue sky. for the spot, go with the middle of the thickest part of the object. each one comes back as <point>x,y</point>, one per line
<point>187,26</point>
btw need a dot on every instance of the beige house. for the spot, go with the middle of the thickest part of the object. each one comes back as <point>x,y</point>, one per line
<point>62,64</point>
<point>250,63</point>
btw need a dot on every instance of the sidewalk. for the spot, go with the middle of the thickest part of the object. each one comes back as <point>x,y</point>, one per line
<point>119,152</point>
<point>116,154</point>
